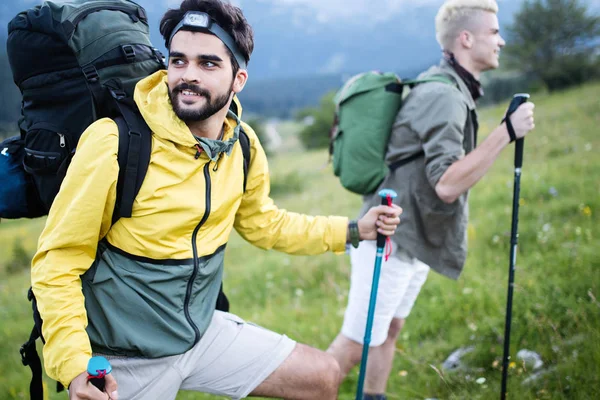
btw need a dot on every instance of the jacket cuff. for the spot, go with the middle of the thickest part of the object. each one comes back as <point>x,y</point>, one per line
<point>339,228</point>
<point>72,368</point>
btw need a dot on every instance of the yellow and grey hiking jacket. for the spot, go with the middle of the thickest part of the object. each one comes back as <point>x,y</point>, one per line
<point>147,286</point>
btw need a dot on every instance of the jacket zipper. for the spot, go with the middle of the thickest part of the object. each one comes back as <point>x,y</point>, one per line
<point>190,284</point>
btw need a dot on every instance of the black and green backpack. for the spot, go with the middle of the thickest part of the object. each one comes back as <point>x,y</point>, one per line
<point>76,62</point>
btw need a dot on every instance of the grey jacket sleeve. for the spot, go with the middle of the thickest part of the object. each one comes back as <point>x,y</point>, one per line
<point>438,116</point>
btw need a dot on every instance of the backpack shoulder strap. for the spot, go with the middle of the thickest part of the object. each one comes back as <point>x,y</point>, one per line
<point>245,143</point>
<point>222,303</point>
<point>394,166</point>
<point>431,78</point>
<point>412,83</point>
<point>135,146</point>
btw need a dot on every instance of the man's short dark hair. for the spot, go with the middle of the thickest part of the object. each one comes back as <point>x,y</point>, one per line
<point>228,16</point>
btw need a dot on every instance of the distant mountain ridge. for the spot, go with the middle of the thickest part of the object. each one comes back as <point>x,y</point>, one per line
<point>300,54</point>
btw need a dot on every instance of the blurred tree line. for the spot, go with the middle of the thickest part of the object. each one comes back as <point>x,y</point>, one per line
<point>552,44</point>
<point>556,41</point>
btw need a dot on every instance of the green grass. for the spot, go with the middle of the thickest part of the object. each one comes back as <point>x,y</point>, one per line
<point>556,308</point>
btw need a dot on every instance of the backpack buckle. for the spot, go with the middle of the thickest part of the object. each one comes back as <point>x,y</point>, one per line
<point>117,94</point>
<point>23,352</point>
<point>90,73</point>
<point>158,55</point>
<point>128,52</point>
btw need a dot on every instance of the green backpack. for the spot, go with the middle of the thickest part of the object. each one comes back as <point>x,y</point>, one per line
<point>366,107</point>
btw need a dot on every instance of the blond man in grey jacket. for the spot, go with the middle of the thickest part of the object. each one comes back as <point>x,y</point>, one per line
<point>439,122</point>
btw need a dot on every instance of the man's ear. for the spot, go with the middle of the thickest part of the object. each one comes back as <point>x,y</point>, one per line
<point>240,80</point>
<point>466,39</point>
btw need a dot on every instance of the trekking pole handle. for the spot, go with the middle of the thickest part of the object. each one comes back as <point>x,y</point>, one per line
<point>517,100</point>
<point>385,194</point>
<point>98,367</point>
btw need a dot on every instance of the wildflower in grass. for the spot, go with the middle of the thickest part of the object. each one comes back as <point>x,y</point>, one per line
<point>480,381</point>
<point>512,365</point>
<point>587,211</point>
<point>403,373</point>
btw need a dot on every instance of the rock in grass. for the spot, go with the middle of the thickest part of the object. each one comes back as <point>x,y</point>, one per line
<point>453,362</point>
<point>531,359</point>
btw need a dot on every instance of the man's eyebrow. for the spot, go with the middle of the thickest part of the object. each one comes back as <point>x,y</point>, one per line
<point>209,57</point>
<point>176,54</point>
<point>200,57</point>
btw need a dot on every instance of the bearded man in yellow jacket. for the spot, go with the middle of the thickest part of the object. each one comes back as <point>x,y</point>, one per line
<point>142,292</point>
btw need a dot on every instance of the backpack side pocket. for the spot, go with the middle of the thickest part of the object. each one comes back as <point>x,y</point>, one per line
<point>46,159</point>
<point>18,197</point>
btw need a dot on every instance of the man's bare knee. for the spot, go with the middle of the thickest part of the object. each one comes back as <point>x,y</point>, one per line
<point>325,379</point>
<point>347,352</point>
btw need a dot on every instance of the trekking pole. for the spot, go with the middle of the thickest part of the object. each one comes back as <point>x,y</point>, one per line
<point>387,196</point>
<point>517,100</point>
<point>98,367</point>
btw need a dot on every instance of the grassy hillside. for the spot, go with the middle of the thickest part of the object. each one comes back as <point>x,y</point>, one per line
<point>556,310</point>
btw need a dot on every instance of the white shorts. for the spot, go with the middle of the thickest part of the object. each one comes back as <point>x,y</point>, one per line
<point>231,359</point>
<point>400,282</point>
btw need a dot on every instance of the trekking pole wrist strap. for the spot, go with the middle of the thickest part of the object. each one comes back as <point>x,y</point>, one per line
<point>511,131</point>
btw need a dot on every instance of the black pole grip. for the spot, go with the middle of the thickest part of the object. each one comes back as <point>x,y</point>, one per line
<point>381,238</point>
<point>100,383</point>
<point>517,100</point>
<point>519,152</point>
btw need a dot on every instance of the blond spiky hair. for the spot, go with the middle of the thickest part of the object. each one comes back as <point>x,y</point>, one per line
<point>457,15</point>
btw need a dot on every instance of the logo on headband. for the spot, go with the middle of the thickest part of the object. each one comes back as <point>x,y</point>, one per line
<point>199,20</point>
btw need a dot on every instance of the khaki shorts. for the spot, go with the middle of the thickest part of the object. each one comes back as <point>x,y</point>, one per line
<point>400,282</point>
<point>232,359</point>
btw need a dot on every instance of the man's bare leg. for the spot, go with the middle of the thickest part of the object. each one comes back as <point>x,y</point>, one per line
<point>381,359</point>
<point>348,353</point>
<point>306,374</point>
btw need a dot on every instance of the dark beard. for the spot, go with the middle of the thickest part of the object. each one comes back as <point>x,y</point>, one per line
<point>204,112</point>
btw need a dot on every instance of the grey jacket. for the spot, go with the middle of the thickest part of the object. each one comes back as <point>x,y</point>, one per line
<point>441,120</point>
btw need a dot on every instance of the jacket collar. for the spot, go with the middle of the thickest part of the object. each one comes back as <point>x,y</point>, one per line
<point>473,84</point>
<point>444,68</point>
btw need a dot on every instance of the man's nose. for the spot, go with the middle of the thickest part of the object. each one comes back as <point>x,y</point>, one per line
<point>190,74</point>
